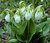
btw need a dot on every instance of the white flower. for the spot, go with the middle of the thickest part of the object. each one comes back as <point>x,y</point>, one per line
<point>17,18</point>
<point>38,15</point>
<point>41,0</point>
<point>7,17</point>
<point>28,16</point>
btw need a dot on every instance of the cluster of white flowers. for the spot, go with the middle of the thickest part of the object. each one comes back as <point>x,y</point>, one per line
<point>16,18</point>
<point>26,13</point>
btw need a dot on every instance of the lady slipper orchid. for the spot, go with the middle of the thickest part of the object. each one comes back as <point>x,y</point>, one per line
<point>28,16</point>
<point>17,18</point>
<point>7,17</point>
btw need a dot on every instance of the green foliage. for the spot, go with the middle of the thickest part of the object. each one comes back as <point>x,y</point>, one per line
<point>28,21</point>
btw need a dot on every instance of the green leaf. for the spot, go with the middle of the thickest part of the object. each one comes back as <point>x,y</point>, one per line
<point>45,31</point>
<point>39,27</point>
<point>1,31</point>
<point>12,40</point>
<point>19,28</point>
<point>8,28</point>
<point>0,40</point>
<point>43,27</point>
<point>30,30</point>
<point>1,17</point>
<point>28,33</point>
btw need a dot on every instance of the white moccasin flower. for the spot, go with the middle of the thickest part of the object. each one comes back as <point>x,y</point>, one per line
<point>28,16</point>
<point>38,15</point>
<point>7,17</point>
<point>41,0</point>
<point>17,18</point>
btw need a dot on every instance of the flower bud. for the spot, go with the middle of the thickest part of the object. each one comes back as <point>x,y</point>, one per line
<point>17,18</point>
<point>7,17</point>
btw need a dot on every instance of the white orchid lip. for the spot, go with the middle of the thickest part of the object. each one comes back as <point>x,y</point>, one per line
<point>38,15</point>
<point>41,0</point>
<point>7,17</point>
<point>17,18</point>
<point>28,16</point>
